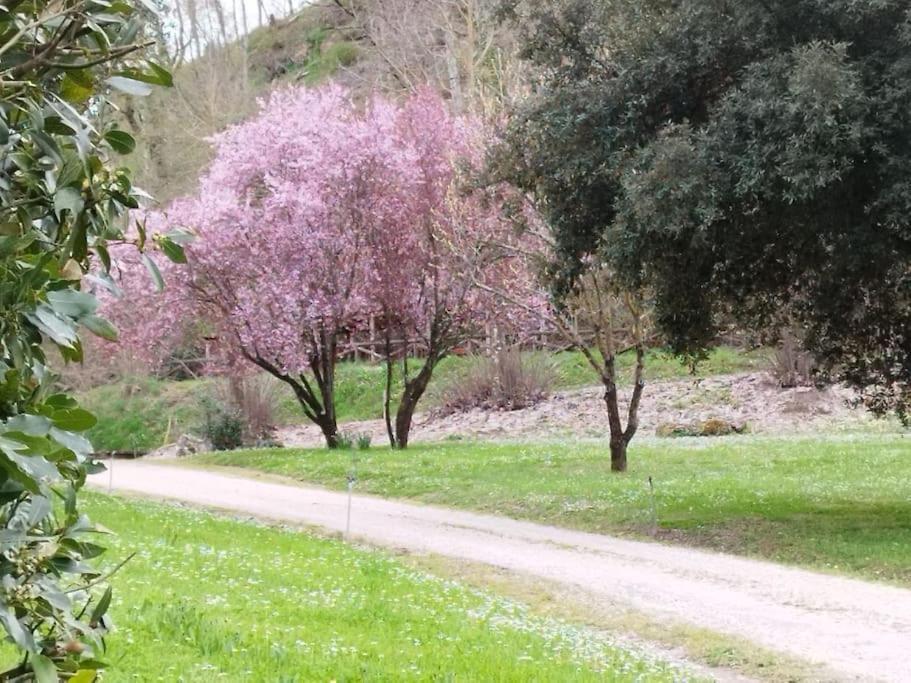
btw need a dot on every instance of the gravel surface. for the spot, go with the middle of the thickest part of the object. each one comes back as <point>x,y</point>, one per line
<point>852,629</point>
<point>748,400</point>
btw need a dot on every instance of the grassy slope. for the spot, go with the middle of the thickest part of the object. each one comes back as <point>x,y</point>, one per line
<point>308,47</point>
<point>211,599</point>
<point>143,413</point>
<point>135,413</point>
<point>839,504</point>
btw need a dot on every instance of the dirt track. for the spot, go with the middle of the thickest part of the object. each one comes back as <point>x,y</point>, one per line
<point>858,630</point>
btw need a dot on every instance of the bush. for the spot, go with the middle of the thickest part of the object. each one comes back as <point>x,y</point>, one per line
<point>505,381</point>
<point>790,365</point>
<point>223,425</point>
<point>255,399</point>
<point>711,427</point>
<point>344,441</point>
<point>349,441</point>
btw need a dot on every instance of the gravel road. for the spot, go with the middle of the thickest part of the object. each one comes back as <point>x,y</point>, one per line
<point>858,630</point>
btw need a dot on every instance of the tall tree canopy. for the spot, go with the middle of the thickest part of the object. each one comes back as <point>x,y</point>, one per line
<point>746,161</point>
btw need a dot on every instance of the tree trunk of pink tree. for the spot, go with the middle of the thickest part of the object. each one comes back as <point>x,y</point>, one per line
<point>414,390</point>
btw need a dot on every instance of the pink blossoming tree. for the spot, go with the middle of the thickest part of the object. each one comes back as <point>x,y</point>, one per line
<point>317,215</point>
<point>427,263</point>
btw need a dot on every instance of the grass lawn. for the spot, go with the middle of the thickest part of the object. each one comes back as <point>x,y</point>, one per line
<point>212,599</point>
<point>143,413</point>
<point>840,504</point>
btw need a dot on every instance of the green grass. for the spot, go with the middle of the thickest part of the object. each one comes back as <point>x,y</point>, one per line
<point>212,599</point>
<point>135,413</point>
<point>143,413</point>
<point>839,504</point>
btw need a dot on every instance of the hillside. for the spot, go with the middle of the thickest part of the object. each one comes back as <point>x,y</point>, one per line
<point>393,46</point>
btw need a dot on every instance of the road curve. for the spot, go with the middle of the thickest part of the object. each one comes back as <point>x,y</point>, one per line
<point>858,630</point>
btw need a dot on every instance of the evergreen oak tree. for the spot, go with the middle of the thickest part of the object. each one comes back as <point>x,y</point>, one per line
<point>745,160</point>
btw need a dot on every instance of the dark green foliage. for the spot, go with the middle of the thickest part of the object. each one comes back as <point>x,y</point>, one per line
<point>746,161</point>
<point>62,201</point>
<point>222,426</point>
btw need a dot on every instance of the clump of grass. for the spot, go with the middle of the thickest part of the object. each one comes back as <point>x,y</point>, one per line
<point>506,381</point>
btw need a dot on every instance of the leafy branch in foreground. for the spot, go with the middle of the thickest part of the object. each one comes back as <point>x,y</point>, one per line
<point>62,201</point>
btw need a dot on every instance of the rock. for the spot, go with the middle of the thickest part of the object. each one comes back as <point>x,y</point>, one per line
<point>711,427</point>
<point>184,446</point>
<point>670,430</point>
<point>189,444</point>
<point>716,427</point>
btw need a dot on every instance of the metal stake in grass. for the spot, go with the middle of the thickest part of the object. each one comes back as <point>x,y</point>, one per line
<point>654,508</point>
<point>352,479</point>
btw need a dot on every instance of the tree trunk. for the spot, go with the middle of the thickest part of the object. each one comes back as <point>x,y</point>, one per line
<point>387,391</point>
<point>329,429</point>
<point>618,454</point>
<point>403,417</point>
<point>317,403</point>
<point>618,441</point>
<point>323,367</point>
<point>414,390</point>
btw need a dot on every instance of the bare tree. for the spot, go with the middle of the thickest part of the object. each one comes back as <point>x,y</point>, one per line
<point>603,322</point>
<point>455,46</point>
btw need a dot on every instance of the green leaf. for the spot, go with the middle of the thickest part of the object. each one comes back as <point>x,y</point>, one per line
<point>73,420</point>
<point>20,636</point>
<point>172,250</point>
<point>100,327</point>
<point>162,75</point>
<point>121,141</point>
<point>102,607</point>
<point>16,474</point>
<point>45,669</point>
<point>72,303</point>
<point>77,443</point>
<point>75,88</point>
<point>84,676</point>
<point>180,236</point>
<point>55,125</point>
<point>156,75</point>
<point>33,425</point>
<point>130,86</point>
<point>60,401</point>
<point>105,257</point>
<point>28,470</point>
<point>154,272</point>
<point>39,510</point>
<point>50,324</point>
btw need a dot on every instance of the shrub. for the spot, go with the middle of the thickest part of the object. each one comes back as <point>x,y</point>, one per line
<point>363,441</point>
<point>790,365</point>
<point>344,441</point>
<point>255,398</point>
<point>222,426</point>
<point>506,381</point>
<point>711,427</point>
